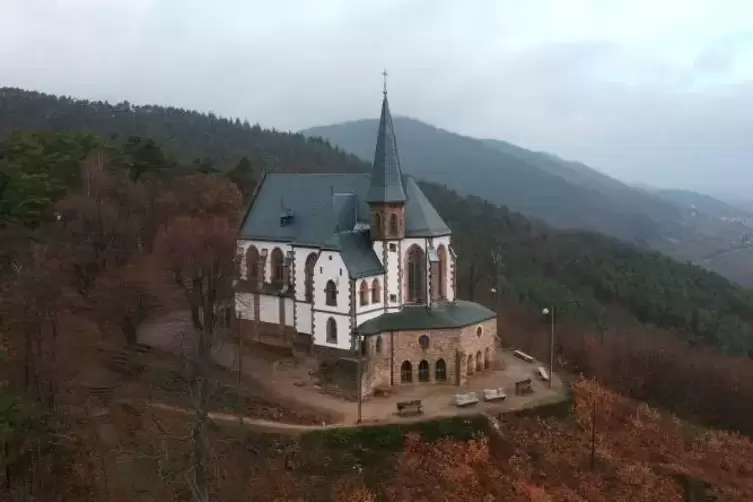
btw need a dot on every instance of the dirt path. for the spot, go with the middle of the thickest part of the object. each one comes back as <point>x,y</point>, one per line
<point>169,333</point>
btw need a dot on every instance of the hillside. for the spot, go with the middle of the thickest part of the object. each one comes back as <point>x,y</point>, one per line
<point>702,203</point>
<point>187,135</point>
<point>600,271</point>
<point>102,226</point>
<point>563,193</point>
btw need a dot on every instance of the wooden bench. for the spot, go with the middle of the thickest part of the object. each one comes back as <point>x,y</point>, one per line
<point>494,394</point>
<point>523,387</point>
<point>542,373</point>
<point>467,399</point>
<point>405,408</point>
<point>522,355</point>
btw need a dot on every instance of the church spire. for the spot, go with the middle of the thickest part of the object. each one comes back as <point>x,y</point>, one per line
<point>386,176</point>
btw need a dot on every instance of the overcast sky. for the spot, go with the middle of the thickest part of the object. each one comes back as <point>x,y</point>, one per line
<point>653,91</point>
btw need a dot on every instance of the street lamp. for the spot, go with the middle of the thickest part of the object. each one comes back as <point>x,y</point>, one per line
<point>359,348</point>
<point>545,311</point>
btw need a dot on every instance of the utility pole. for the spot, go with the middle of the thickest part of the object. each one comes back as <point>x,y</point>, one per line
<point>359,347</point>
<point>551,352</point>
<point>546,311</point>
<point>239,334</point>
<point>593,432</point>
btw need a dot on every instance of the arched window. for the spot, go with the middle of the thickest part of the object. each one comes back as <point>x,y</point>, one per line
<point>423,341</point>
<point>479,361</point>
<point>423,371</point>
<point>378,223</point>
<point>252,264</point>
<point>364,348</point>
<point>406,372</point>
<point>309,277</point>
<point>440,371</point>
<point>364,293</point>
<point>330,291</point>
<point>479,331</point>
<point>442,272</point>
<point>470,366</point>
<point>331,330</point>
<point>416,275</point>
<point>376,291</point>
<point>393,225</point>
<point>378,346</point>
<point>487,358</point>
<point>277,263</point>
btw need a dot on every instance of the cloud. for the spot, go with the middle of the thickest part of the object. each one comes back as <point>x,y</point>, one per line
<point>657,92</point>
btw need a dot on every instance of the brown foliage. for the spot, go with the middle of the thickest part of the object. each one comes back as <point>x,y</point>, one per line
<point>650,364</point>
<point>641,456</point>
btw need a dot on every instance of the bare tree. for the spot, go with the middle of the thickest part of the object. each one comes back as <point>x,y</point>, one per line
<point>200,253</point>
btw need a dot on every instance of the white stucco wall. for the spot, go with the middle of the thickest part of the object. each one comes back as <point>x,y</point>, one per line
<point>261,246</point>
<point>393,273</point>
<point>289,312</point>
<point>303,317</point>
<point>369,281</point>
<point>343,330</point>
<point>299,271</point>
<point>366,316</point>
<point>450,267</point>
<point>436,242</point>
<point>378,247</point>
<point>269,307</point>
<point>331,267</point>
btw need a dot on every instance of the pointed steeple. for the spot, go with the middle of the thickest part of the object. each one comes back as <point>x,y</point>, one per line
<point>386,176</point>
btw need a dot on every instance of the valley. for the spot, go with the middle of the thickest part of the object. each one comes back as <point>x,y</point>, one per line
<point>687,225</point>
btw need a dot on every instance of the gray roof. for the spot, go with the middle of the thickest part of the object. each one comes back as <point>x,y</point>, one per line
<point>358,254</point>
<point>443,316</point>
<point>386,176</point>
<point>329,212</point>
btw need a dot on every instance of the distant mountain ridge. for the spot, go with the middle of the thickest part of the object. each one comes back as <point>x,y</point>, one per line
<point>702,202</point>
<point>565,194</point>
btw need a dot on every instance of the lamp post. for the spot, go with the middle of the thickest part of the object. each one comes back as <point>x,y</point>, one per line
<point>545,311</point>
<point>359,348</point>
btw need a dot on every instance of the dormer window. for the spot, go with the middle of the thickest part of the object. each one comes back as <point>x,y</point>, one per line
<point>286,218</point>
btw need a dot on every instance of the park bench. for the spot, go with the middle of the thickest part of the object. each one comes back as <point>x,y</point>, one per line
<point>405,408</point>
<point>542,373</point>
<point>522,355</point>
<point>494,394</point>
<point>467,399</point>
<point>523,387</point>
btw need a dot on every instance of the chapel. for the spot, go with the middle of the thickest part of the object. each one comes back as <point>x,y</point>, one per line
<point>339,265</point>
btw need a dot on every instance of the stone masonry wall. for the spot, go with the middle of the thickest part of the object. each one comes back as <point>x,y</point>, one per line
<point>452,345</point>
<point>479,346</point>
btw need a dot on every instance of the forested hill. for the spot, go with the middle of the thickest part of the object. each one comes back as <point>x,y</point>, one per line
<point>581,273</point>
<point>187,135</point>
<point>564,194</point>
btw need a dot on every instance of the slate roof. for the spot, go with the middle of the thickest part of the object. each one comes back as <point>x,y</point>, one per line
<point>329,212</point>
<point>443,316</point>
<point>386,176</point>
<point>358,254</point>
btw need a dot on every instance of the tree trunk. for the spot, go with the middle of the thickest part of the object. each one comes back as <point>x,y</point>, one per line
<point>198,437</point>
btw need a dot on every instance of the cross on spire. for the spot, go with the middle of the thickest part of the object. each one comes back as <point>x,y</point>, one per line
<point>384,74</point>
